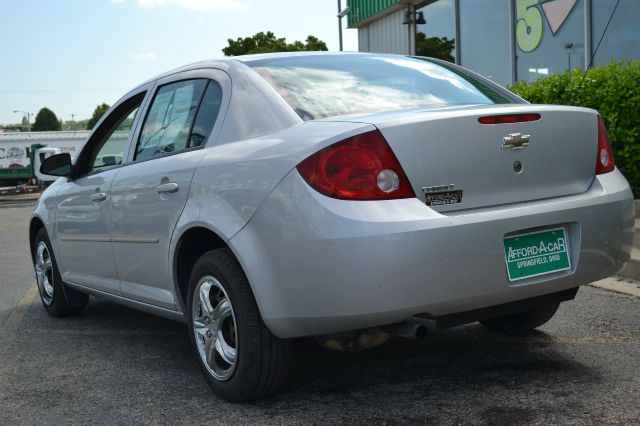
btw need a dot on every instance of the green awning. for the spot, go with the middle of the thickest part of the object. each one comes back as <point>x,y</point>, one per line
<point>361,10</point>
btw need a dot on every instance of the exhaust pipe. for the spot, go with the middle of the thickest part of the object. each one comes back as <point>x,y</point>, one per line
<point>413,328</point>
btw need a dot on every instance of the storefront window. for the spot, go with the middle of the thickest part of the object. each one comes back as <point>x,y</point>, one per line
<point>484,38</point>
<point>622,38</point>
<point>549,37</point>
<point>436,38</point>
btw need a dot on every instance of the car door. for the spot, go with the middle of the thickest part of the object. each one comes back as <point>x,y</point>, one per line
<point>83,202</point>
<point>149,193</point>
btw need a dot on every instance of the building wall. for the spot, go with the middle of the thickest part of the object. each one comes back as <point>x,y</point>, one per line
<point>386,35</point>
<point>507,40</point>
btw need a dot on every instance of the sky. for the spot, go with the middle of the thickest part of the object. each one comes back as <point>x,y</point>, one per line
<point>71,55</point>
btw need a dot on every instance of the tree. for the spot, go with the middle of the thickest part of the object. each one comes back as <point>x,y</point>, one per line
<point>267,42</point>
<point>75,125</point>
<point>46,120</point>
<point>435,47</point>
<point>97,115</point>
<point>314,44</point>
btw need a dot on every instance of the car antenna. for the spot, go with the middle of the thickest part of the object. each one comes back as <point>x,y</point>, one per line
<point>591,57</point>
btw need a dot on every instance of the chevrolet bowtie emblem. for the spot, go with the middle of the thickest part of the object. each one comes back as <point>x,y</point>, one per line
<point>515,141</point>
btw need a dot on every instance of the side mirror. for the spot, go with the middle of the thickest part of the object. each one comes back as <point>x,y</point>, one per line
<point>57,165</point>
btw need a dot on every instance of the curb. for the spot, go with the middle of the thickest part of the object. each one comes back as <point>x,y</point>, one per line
<point>17,204</point>
<point>19,191</point>
<point>19,198</point>
<point>619,285</point>
<point>7,200</point>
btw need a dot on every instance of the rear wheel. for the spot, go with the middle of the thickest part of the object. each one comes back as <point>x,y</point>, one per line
<point>240,358</point>
<point>57,299</point>
<point>522,321</point>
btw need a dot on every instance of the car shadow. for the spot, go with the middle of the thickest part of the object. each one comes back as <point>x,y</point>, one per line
<point>467,357</point>
<point>383,385</point>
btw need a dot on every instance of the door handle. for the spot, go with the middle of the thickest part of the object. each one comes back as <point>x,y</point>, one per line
<point>98,196</point>
<point>169,187</point>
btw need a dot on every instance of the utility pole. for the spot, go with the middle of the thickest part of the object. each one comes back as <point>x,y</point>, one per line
<point>341,14</point>
<point>568,47</point>
<point>27,114</point>
<point>340,23</point>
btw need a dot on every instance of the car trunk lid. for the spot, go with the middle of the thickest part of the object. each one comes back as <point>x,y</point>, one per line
<point>444,151</point>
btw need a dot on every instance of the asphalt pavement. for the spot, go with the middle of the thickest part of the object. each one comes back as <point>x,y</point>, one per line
<point>16,272</point>
<point>114,365</point>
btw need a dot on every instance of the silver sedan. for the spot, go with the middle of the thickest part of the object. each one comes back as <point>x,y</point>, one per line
<point>350,197</point>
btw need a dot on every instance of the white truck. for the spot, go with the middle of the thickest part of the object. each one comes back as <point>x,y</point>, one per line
<point>21,153</point>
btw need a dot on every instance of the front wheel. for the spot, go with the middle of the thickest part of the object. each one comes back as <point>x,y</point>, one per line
<point>240,358</point>
<point>522,321</point>
<point>57,299</point>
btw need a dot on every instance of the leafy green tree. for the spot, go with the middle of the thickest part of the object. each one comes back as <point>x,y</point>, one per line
<point>435,47</point>
<point>46,120</point>
<point>97,115</point>
<point>267,42</point>
<point>75,125</point>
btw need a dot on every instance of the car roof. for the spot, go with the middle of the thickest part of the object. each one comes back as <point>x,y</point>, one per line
<point>233,62</point>
<point>280,55</point>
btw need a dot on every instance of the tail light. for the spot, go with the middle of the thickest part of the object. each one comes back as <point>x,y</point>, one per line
<point>362,167</point>
<point>604,161</point>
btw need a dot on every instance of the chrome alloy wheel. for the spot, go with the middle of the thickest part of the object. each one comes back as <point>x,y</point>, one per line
<point>214,327</point>
<point>44,272</point>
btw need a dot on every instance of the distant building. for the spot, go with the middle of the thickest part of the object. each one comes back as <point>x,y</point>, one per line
<point>505,40</point>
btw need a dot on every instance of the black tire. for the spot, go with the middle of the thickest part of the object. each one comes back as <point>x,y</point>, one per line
<point>522,321</point>
<point>261,359</point>
<point>58,299</point>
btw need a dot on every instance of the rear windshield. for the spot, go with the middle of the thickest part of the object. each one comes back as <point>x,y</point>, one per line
<point>325,86</point>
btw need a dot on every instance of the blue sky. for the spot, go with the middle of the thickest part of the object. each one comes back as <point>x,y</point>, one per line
<point>71,55</point>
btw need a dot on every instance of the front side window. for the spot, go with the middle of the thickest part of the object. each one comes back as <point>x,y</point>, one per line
<point>111,152</point>
<point>108,143</point>
<point>322,86</point>
<point>168,124</point>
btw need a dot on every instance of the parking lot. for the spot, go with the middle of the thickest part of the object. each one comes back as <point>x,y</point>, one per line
<point>118,366</point>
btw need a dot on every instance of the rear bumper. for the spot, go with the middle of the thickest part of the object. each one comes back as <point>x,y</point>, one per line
<point>319,265</point>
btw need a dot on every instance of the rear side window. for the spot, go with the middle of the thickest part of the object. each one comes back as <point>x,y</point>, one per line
<point>167,127</point>
<point>324,86</point>
<point>207,114</point>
